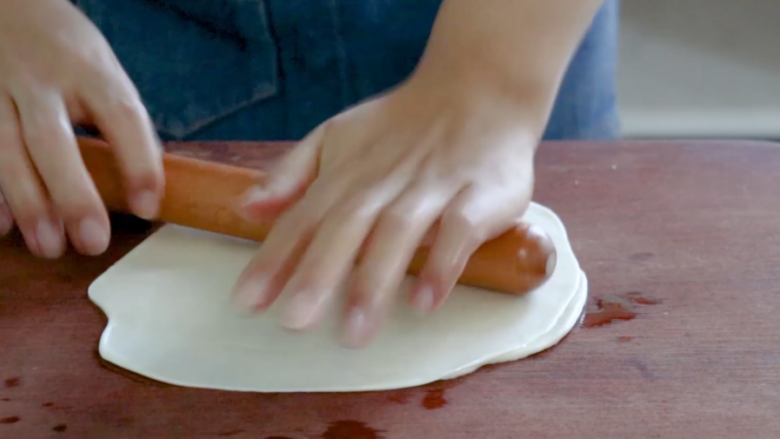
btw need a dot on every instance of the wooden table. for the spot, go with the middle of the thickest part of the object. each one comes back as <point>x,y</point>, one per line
<point>681,339</point>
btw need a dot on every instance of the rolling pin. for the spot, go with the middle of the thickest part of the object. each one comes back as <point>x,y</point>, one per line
<point>203,195</point>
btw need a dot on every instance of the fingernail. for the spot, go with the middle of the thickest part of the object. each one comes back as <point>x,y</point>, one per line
<point>93,236</point>
<point>145,204</point>
<point>251,294</point>
<point>423,301</point>
<point>356,328</point>
<point>300,312</point>
<point>49,237</point>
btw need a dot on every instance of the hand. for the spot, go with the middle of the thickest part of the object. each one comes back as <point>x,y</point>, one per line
<point>56,69</point>
<point>451,160</point>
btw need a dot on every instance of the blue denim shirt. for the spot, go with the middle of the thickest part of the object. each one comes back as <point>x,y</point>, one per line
<point>274,69</point>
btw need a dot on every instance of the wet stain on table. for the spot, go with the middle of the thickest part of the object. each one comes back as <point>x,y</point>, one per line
<point>13,382</point>
<point>10,420</point>
<point>611,308</point>
<point>639,298</point>
<point>350,430</point>
<point>434,399</point>
<point>399,397</point>
<point>607,312</point>
<point>60,428</point>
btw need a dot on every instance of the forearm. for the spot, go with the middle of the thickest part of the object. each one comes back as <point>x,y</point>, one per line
<point>519,47</point>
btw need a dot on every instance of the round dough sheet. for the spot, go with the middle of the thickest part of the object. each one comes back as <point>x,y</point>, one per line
<point>170,319</point>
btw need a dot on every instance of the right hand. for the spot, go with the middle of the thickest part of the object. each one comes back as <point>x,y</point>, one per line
<point>56,69</point>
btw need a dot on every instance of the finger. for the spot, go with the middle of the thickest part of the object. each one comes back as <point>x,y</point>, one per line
<point>476,215</point>
<point>23,192</point>
<point>117,110</point>
<point>395,237</point>
<point>288,181</point>
<point>262,280</point>
<point>6,219</point>
<point>329,258</point>
<point>52,146</point>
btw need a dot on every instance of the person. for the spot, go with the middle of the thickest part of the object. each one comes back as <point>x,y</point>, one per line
<point>416,120</point>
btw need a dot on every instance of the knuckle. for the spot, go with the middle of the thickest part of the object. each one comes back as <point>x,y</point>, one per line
<point>467,226</point>
<point>112,91</point>
<point>371,278</point>
<point>329,125</point>
<point>125,106</point>
<point>396,218</point>
<point>145,178</point>
<point>73,198</point>
<point>78,206</point>
<point>93,58</point>
<point>38,132</point>
<point>461,220</point>
<point>314,268</point>
<point>45,128</point>
<point>295,220</point>
<point>361,204</point>
<point>363,291</point>
<point>24,208</point>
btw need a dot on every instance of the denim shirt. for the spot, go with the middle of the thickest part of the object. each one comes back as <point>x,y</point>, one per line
<point>275,69</point>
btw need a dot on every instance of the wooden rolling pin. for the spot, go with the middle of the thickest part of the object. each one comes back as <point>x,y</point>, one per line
<point>204,195</point>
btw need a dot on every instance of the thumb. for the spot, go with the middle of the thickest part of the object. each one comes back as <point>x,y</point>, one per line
<point>288,181</point>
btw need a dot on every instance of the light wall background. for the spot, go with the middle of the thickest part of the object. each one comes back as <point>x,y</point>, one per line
<point>700,68</point>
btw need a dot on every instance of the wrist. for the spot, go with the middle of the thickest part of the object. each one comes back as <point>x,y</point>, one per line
<point>476,90</point>
<point>514,53</point>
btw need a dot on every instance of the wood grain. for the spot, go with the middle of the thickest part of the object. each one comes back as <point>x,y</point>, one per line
<point>681,243</point>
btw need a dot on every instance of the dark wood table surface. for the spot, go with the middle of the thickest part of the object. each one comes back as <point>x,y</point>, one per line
<point>681,337</point>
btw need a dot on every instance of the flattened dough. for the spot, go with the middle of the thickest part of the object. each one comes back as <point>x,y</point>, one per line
<point>170,319</point>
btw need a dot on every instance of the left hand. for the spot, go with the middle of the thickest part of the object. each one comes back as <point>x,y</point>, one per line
<point>444,159</point>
